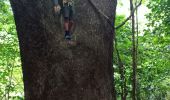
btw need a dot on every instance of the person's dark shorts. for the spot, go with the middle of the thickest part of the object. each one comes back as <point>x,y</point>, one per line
<point>67,12</point>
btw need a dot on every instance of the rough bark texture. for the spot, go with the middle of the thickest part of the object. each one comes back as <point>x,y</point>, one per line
<point>53,70</point>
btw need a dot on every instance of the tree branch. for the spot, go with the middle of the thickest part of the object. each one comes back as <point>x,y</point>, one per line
<point>108,19</point>
<point>124,22</point>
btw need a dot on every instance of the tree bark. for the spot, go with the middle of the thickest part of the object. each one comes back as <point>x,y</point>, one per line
<point>137,42</point>
<point>134,65</point>
<point>52,70</point>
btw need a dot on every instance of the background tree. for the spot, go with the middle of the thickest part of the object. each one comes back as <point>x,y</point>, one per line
<point>134,65</point>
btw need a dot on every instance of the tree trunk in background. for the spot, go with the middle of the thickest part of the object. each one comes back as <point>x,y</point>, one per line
<point>137,33</point>
<point>122,72</point>
<point>53,70</point>
<point>133,53</point>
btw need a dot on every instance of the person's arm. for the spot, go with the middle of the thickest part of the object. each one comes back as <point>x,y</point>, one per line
<point>57,7</point>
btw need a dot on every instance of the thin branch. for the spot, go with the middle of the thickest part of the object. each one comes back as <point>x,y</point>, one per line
<point>10,80</point>
<point>128,18</point>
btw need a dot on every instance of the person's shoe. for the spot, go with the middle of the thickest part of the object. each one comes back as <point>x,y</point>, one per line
<point>67,35</point>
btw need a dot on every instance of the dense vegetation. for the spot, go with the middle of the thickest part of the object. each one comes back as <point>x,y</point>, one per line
<point>11,85</point>
<point>153,65</point>
<point>153,55</point>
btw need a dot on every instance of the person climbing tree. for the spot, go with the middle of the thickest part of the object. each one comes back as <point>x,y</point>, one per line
<point>65,7</point>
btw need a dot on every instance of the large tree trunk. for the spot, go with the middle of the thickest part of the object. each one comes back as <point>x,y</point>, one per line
<point>53,70</point>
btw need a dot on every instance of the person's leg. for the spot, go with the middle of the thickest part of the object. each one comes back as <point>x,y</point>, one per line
<point>66,13</point>
<point>71,23</point>
<point>66,24</point>
<point>66,28</point>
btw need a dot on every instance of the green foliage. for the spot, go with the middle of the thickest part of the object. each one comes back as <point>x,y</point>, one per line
<point>159,17</point>
<point>124,45</point>
<point>11,85</point>
<point>153,70</point>
<point>158,47</point>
